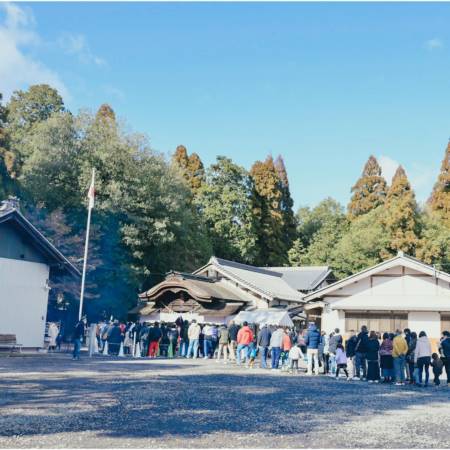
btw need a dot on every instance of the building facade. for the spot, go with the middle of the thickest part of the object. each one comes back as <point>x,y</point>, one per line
<point>220,289</point>
<point>399,293</point>
<point>27,262</point>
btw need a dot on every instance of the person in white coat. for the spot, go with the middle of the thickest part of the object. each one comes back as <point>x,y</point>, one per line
<point>53,332</point>
<point>194,336</point>
<point>422,357</point>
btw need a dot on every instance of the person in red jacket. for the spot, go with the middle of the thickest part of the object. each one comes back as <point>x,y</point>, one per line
<point>244,339</point>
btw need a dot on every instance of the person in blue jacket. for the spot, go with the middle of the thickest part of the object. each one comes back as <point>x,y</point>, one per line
<point>312,342</point>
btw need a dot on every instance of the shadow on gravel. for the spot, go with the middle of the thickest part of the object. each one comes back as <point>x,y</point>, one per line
<point>138,404</point>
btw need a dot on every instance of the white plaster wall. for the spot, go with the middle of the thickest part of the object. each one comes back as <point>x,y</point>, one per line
<point>23,300</point>
<point>332,319</point>
<point>427,321</point>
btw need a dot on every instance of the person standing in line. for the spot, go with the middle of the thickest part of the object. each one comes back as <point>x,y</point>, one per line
<point>341,361</point>
<point>409,373</point>
<point>114,338</point>
<point>223,343</point>
<point>78,337</point>
<point>233,330</point>
<point>444,349</point>
<point>412,342</point>
<point>437,365</point>
<point>154,338</point>
<point>214,339</point>
<point>361,353</point>
<point>184,339</point>
<point>194,337</point>
<point>335,339</point>
<point>422,357</point>
<point>244,339</point>
<point>143,338</point>
<point>276,343</point>
<point>295,354</point>
<point>53,332</point>
<point>312,341</point>
<point>285,348</point>
<point>324,352</point>
<point>207,341</point>
<point>350,352</point>
<point>386,361</point>
<point>399,351</point>
<point>373,366</point>
<point>263,343</point>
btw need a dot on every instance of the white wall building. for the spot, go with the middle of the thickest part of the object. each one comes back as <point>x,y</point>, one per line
<point>395,294</point>
<point>27,260</point>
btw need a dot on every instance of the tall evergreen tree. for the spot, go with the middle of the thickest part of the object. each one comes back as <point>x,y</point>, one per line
<point>289,222</point>
<point>369,191</point>
<point>267,200</point>
<point>401,214</point>
<point>191,168</point>
<point>440,198</point>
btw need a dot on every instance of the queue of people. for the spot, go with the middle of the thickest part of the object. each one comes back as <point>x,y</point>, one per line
<point>401,357</point>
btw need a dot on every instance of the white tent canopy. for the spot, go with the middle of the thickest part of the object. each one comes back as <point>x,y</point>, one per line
<point>265,317</point>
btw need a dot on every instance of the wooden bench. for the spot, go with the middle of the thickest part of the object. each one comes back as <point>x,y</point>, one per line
<point>9,341</point>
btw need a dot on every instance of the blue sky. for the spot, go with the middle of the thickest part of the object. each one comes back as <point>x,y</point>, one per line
<point>325,85</point>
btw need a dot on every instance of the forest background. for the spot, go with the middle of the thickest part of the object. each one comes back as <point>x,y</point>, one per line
<point>155,213</point>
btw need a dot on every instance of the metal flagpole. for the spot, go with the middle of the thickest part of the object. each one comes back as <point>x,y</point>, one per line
<point>86,245</point>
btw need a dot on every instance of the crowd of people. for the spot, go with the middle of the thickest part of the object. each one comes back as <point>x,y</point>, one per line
<point>401,357</point>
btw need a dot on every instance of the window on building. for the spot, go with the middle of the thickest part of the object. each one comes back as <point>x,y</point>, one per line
<point>381,322</point>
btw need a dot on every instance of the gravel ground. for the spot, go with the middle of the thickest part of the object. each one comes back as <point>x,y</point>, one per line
<point>53,402</point>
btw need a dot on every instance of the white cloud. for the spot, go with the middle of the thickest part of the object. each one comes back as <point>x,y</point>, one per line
<point>77,45</point>
<point>433,44</point>
<point>420,175</point>
<point>388,167</point>
<point>114,93</point>
<point>17,68</point>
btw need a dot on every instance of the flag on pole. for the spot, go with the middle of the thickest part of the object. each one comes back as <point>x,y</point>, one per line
<point>91,192</point>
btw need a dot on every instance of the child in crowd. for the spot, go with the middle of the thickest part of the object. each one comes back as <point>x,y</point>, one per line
<point>295,353</point>
<point>437,365</point>
<point>341,360</point>
<point>252,352</point>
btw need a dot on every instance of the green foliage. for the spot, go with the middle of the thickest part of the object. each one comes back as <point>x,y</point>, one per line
<point>5,180</point>
<point>289,222</point>
<point>225,204</point>
<point>369,192</point>
<point>434,245</point>
<point>267,210</point>
<point>51,171</point>
<point>440,198</point>
<point>401,215</point>
<point>362,245</point>
<point>25,110</point>
<point>190,167</point>
<point>296,254</point>
<point>310,221</point>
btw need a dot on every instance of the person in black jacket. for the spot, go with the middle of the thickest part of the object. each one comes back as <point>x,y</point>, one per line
<point>373,365</point>
<point>233,330</point>
<point>444,349</point>
<point>78,337</point>
<point>350,346</point>
<point>263,344</point>
<point>114,338</point>
<point>361,353</point>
